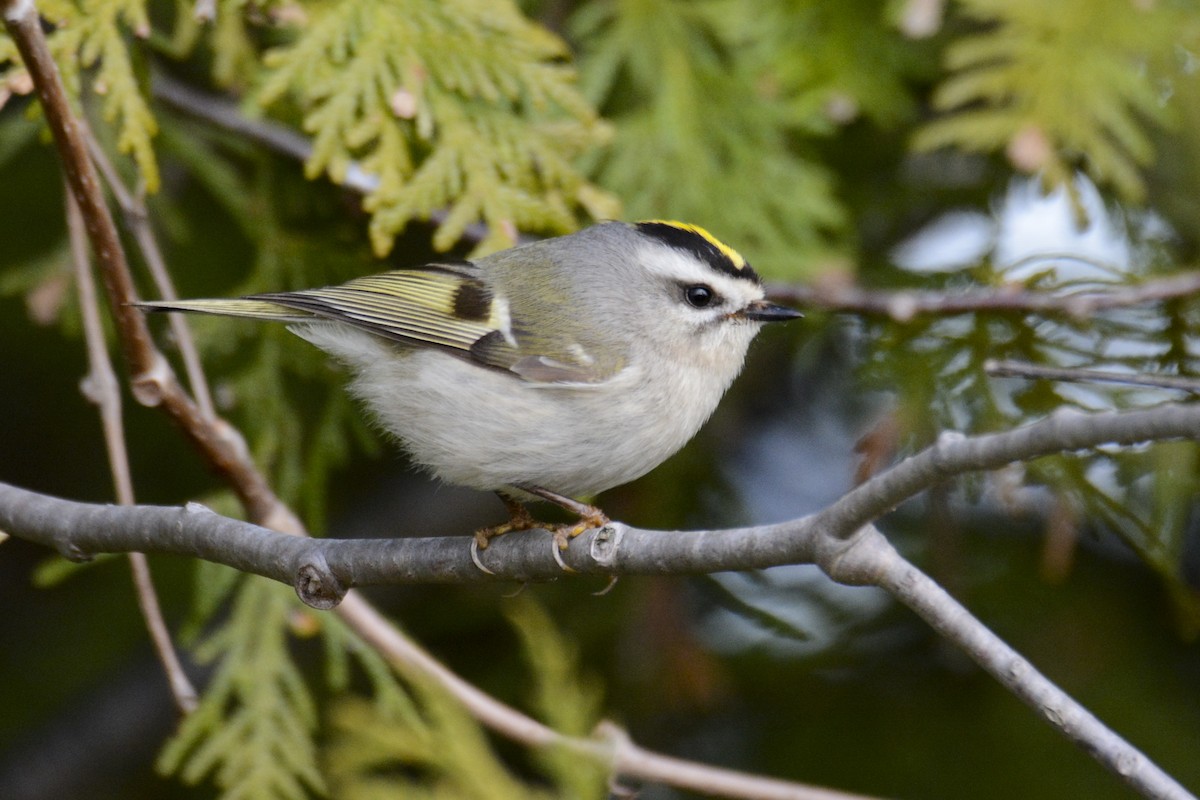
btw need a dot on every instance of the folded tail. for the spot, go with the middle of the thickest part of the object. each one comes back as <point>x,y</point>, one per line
<point>253,309</point>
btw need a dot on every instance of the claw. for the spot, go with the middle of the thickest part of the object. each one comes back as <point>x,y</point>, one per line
<point>612,581</point>
<point>519,519</point>
<point>476,546</point>
<point>556,549</point>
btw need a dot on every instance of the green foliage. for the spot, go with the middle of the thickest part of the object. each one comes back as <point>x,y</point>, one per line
<point>90,39</point>
<point>282,392</point>
<point>252,733</point>
<point>1063,86</point>
<point>56,569</point>
<point>235,56</point>
<point>464,106</point>
<point>377,752</point>
<point>733,115</point>
<point>833,63</point>
<point>373,755</point>
<point>719,107</point>
<point>565,700</point>
<point>465,111</point>
<point>701,134</point>
<point>1144,496</point>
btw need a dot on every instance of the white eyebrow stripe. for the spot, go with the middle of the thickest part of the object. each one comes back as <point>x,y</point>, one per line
<point>676,265</point>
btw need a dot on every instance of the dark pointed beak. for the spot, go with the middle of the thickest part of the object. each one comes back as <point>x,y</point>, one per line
<point>763,311</point>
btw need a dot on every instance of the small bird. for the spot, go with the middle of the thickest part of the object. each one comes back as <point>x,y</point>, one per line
<point>551,370</point>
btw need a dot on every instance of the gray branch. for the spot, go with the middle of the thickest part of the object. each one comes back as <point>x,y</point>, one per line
<point>323,569</point>
<point>840,539</point>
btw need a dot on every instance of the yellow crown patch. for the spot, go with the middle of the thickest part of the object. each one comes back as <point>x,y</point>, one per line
<point>699,241</point>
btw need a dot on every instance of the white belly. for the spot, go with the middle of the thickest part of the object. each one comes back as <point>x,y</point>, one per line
<point>489,429</point>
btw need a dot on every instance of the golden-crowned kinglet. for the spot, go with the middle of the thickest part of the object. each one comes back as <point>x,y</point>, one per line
<point>554,369</point>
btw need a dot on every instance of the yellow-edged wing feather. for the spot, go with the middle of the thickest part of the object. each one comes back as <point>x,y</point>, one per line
<point>424,307</point>
<point>444,306</point>
<point>237,307</point>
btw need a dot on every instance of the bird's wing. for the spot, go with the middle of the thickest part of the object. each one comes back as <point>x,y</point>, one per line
<point>444,306</point>
<point>432,307</point>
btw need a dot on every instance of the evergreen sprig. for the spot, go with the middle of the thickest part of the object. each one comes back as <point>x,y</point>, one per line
<point>1060,87</point>
<point>253,731</point>
<point>1145,495</point>
<point>377,751</point>
<point>696,127</point>
<point>90,39</point>
<point>463,105</point>
<point>561,694</point>
<point>834,63</point>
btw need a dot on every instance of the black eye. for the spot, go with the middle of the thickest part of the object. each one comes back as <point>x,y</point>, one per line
<point>699,295</point>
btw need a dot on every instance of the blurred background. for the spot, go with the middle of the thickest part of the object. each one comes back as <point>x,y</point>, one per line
<point>949,147</point>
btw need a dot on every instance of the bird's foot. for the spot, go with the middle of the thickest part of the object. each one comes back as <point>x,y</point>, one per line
<point>519,519</point>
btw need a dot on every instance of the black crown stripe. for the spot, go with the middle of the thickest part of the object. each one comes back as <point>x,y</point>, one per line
<point>701,244</point>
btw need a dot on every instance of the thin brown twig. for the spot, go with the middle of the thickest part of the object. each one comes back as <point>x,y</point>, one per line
<point>137,220</point>
<point>646,766</point>
<point>100,387</point>
<point>1020,369</point>
<point>905,305</point>
<point>626,758</point>
<point>154,383</point>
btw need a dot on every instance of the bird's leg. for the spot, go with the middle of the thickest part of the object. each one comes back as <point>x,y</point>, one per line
<point>589,516</point>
